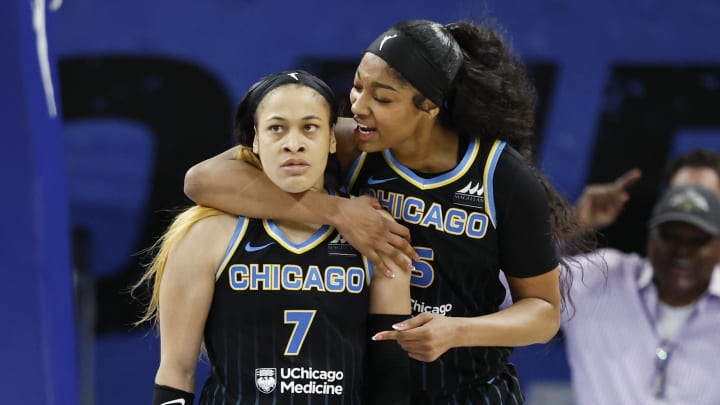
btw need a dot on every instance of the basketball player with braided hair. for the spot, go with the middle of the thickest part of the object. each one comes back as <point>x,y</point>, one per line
<point>280,307</point>
<point>442,138</point>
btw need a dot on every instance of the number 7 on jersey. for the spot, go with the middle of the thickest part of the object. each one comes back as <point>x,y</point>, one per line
<point>301,320</point>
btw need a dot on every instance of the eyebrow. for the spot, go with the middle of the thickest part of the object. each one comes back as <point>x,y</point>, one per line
<point>383,86</point>
<point>305,118</point>
<point>380,85</point>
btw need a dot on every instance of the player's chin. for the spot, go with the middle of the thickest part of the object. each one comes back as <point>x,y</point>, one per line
<point>295,185</point>
<point>370,146</point>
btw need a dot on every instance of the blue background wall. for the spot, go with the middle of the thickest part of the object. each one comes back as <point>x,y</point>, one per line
<point>37,344</point>
<point>147,90</point>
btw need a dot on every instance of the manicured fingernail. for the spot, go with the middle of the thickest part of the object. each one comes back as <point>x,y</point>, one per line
<point>411,267</point>
<point>377,336</point>
<point>390,274</point>
<point>398,326</point>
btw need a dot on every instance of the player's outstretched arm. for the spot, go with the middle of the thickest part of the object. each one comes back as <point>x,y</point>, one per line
<point>533,318</point>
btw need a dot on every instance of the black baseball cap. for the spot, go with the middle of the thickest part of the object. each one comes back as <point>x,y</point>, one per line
<point>694,205</point>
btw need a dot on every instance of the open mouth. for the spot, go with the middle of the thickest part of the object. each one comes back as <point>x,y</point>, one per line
<point>364,133</point>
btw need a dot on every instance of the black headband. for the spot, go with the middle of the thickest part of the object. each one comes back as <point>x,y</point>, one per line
<point>245,113</point>
<point>411,60</point>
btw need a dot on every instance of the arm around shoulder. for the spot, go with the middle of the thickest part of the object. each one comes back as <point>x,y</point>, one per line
<point>225,183</point>
<point>237,187</point>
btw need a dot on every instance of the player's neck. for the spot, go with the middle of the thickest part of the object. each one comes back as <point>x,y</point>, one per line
<point>297,232</point>
<point>435,154</point>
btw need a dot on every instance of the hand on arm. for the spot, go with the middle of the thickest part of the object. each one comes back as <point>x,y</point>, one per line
<point>375,234</point>
<point>601,204</point>
<point>533,318</point>
<point>385,242</point>
<point>358,221</point>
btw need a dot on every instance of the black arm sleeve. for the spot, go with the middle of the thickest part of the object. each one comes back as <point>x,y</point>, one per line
<point>387,365</point>
<point>525,240</point>
<point>163,394</point>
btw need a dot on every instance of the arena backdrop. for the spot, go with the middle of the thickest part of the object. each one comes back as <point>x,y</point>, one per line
<point>145,89</point>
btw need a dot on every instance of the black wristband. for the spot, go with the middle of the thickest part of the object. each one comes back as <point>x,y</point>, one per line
<point>162,394</point>
<point>380,322</point>
<point>387,365</point>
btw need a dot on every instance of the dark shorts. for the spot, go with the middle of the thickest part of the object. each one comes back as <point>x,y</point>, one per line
<point>501,390</point>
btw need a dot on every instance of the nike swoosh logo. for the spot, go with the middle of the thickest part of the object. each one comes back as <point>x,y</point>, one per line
<point>372,181</point>
<point>178,401</point>
<point>251,248</point>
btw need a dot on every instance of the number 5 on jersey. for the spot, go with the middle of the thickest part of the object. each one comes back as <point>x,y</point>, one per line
<point>301,320</point>
<point>423,274</point>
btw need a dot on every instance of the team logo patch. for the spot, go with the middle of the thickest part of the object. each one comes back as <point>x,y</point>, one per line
<point>266,379</point>
<point>340,247</point>
<point>472,195</point>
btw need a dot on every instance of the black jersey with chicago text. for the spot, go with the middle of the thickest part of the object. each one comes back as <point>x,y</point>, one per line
<point>287,321</point>
<point>488,213</point>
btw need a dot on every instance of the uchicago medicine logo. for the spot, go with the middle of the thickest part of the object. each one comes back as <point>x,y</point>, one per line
<point>265,379</point>
<point>300,380</point>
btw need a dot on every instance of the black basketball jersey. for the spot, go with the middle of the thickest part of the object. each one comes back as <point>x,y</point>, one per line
<point>287,321</point>
<point>453,221</point>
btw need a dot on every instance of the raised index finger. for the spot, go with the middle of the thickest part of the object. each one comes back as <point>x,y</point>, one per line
<point>628,178</point>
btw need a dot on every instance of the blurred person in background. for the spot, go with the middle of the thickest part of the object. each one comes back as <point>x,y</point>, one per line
<point>647,330</point>
<point>601,204</point>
